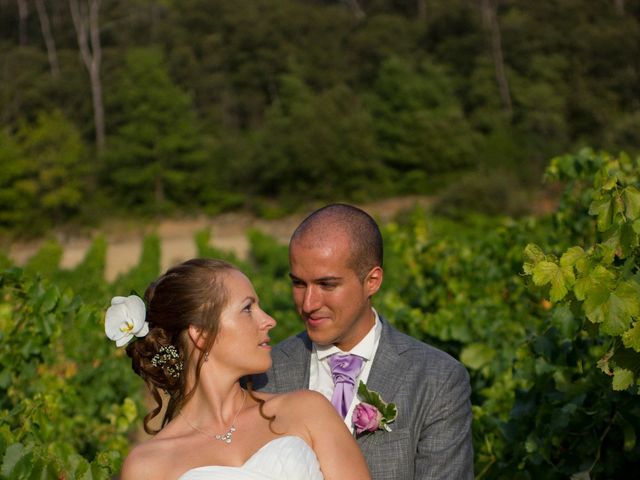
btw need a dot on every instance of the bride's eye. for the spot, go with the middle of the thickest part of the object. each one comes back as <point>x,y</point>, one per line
<point>247,307</point>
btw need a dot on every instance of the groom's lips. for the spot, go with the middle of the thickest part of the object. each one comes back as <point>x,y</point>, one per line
<point>315,321</point>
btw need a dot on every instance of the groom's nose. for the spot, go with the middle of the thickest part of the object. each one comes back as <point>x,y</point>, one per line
<point>312,299</point>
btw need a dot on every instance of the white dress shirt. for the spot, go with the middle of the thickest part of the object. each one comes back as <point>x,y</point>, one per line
<point>320,378</point>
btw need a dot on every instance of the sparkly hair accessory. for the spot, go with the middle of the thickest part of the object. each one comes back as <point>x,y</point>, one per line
<point>168,355</point>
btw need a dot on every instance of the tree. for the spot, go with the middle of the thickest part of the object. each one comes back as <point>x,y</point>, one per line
<point>23,17</point>
<point>490,20</point>
<point>319,146</point>
<point>17,190</point>
<point>420,126</point>
<point>154,157</point>
<point>86,22</point>
<point>56,165</point>
<point>48,37</point>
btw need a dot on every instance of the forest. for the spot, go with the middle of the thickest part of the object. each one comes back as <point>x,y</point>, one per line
<point>147,109</point>
<point>161,107</point>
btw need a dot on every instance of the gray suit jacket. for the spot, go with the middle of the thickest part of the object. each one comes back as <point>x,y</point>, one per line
<point>431,438</point>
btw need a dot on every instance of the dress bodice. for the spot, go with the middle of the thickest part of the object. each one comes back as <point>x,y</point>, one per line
<point>285,458</point>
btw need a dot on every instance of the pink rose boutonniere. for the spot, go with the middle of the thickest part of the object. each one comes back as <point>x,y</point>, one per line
<point>372,413</point>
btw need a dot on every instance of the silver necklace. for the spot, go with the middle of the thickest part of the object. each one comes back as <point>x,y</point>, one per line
<point>225,437</point>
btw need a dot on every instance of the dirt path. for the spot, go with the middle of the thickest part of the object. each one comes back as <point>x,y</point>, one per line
<point>228,232</point>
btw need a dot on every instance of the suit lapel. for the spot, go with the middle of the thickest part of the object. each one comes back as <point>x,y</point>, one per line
<point>293,365</point>
<point>386,372</point>
<point>385,375</point>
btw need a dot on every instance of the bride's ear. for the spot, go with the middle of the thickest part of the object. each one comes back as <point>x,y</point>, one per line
<point>197,337</point>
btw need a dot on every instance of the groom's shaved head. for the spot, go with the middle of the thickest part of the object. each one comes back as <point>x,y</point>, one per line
<point>365,239</point>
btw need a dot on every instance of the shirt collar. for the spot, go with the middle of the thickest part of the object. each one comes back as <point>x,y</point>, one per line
<point>365,348</point>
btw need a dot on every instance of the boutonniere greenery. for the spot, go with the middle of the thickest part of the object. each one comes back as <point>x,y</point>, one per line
<point>372,413</point>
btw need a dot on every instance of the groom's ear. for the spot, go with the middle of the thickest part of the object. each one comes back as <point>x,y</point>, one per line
<point>373,281</point>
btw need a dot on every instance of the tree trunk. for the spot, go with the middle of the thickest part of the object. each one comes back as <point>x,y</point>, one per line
<point>85,21</point>
<point>48,37</point>
<point>23,16</point>
<point>355,8</point>
<point>490,20</point>
<point>421,9</point>
<point>620,6</point>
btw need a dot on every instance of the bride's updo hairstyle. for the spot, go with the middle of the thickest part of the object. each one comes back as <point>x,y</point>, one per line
<point>192,293</point>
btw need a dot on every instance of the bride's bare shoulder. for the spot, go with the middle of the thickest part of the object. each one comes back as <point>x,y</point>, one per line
<point>299,401</point>
<point>146,460</point>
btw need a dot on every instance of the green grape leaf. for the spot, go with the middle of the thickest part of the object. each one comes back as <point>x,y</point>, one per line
<point>603,209</point>
<point>622,378</point>
<point>631,338</point>
<point>628,240</point>
<point>476,355</point>
<point>571,256</point>
<point>533,255</point>
<point>597,284</point>
<point>559,278</point>
<point>613,309</point>
<point>631,197</point>
<point>12,456</point>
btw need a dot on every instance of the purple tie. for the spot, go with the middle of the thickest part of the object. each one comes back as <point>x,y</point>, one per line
<point>344,369</point>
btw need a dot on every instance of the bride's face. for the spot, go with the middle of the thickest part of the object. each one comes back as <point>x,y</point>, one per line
<point>242,342</point>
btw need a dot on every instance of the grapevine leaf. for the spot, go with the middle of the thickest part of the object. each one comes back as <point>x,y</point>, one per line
<point>607,182</point>
<point>476,355</point>
<point>571,256</point>
<point>628,240</point>
<point>12,455</point>
<point>603,208</point>
<point>544,272</point>
<point>603,363</point>
<point>614,309</point>
<point>560,278</point>
<point>533,255</point>
<point>631,338</point>
<point>632,202</point>
<point>622,378</point>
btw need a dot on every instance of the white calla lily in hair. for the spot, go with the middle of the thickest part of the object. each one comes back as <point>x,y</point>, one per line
<point>126,318</point>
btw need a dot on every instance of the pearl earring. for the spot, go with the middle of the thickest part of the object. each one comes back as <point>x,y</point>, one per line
<point>206,356</point>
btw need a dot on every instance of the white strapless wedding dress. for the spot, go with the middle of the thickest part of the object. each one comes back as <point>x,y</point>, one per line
<point>285,458</point>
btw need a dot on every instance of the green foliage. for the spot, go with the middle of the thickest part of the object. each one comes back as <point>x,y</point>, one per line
<point>316,145</point>
<point>497,193</point>
<point>17,190</point>
<point>66,401</point>
<point>542,312</point>
<point>147,269</point>
<point>420,126</point>
<point>46,261</point>
<point>45,179</point>
<point>58,164</point>
<point>154,155</point>
<point>209,107</point>
<point>602,277</point>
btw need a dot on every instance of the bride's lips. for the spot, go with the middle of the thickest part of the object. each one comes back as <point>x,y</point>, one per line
<point>265,344</point>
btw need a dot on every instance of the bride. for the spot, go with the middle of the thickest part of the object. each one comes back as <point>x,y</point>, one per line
<point>201,332</point>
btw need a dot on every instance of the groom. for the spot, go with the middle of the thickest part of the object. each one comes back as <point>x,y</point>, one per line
<point>335,258</point>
